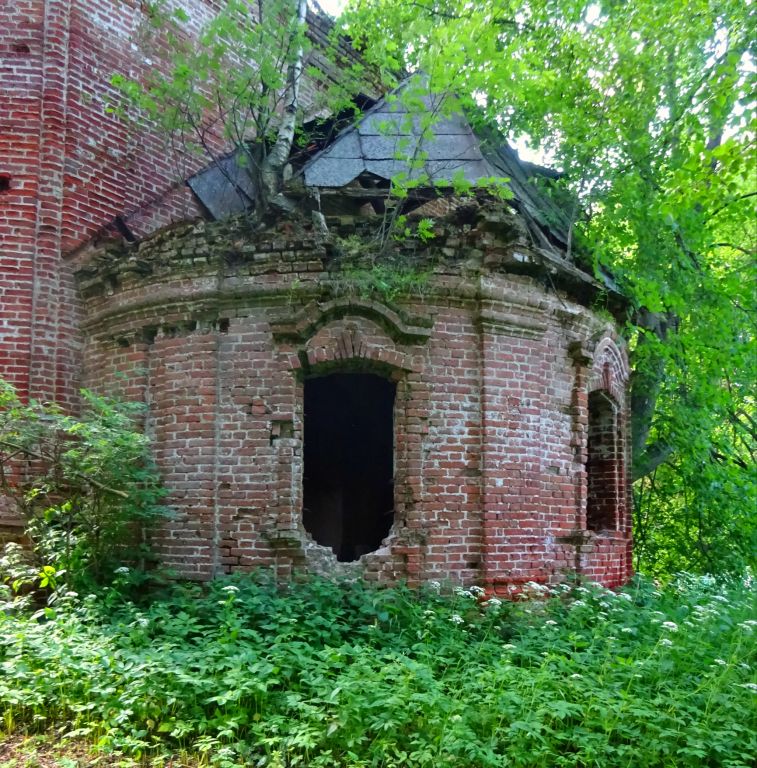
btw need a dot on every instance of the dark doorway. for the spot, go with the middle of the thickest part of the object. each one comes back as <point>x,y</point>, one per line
<point>349,464</point>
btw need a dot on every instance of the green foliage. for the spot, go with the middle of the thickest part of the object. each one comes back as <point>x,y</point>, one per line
<point>386,279</point>
<point>323,674</point>
<point>227,85</point>
<point>395,274</point>
<point>647,108</point>
<point>85,487</point>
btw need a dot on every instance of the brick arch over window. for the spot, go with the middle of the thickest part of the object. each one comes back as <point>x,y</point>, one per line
<point>610,370</point>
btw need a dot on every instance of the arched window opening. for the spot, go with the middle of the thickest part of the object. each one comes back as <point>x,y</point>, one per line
<point>348,472</point>
<point>604,463</point>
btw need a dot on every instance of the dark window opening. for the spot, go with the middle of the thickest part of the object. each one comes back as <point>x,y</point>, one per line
<point>348,502</point>
<point>603,464</point>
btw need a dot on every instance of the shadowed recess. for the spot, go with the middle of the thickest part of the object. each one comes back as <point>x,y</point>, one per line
<point>348,491</point>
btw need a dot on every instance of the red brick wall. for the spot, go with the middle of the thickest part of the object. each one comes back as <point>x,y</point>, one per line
<point>71,168</point>
<point>491,412</point>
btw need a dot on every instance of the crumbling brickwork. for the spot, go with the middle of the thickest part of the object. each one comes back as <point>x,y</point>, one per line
<point>218,327</point>
<point>510,434</point>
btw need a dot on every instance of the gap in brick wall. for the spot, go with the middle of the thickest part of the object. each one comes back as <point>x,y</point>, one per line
<point>348,462</point>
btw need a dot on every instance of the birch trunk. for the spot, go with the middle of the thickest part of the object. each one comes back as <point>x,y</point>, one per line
<point>272,169</point>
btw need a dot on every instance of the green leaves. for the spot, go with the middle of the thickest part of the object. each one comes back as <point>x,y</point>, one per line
<point>84,488</point>
<point>334,675</point>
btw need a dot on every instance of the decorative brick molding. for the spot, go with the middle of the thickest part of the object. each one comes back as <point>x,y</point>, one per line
<point>314,315</point>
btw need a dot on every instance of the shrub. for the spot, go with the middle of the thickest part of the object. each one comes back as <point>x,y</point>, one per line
<point>85,487</point>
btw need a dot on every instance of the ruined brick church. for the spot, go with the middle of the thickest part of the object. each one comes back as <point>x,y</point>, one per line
<point>469,426</point>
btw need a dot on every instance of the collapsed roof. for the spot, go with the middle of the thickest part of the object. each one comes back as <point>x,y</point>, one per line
<point>412,134</point>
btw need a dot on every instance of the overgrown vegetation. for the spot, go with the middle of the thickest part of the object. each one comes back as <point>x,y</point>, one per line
<point>240,672</point>
<point>85,487</point>
<point>647,110</point>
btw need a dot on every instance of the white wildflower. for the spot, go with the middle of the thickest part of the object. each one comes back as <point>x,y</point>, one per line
<point>576,676</point>
<point>720,662</point>
<point>550,623</point>
<point>123,569</point>
<point>230,588</point>
<point>667,643</point>
<point>749,686</point>
<point>671,626</point>
<point>628,630</point>
<point>494,602</point>
<point>625,596</point>
<point>435,585</point>
<point>456,618</point>
<point>508,647</point>
<point>578,604</point>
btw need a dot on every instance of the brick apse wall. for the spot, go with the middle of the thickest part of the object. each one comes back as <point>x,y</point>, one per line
<point>495,441</point>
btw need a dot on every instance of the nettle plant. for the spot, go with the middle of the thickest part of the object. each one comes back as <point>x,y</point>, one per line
<point>85,487</point>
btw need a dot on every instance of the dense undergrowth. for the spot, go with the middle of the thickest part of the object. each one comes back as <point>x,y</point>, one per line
<point>321,674</point>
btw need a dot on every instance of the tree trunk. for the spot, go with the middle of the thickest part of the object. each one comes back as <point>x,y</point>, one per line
<point>645,387</point>
<point>272,169</point>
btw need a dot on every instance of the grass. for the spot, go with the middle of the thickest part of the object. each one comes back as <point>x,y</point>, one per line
<point>318,674</point>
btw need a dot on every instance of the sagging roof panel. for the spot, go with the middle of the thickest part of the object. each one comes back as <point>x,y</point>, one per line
<point>225,187</point>
<point>389,141</point>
